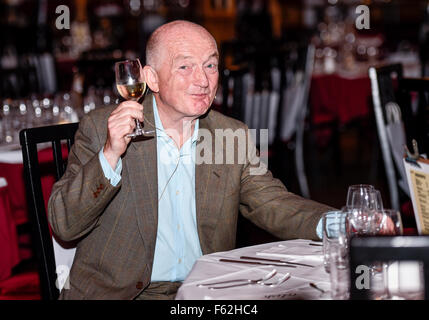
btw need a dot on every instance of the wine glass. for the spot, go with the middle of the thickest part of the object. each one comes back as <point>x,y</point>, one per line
<point>364,195</point>
<point>389,223</point>
<point>360,221</point>
<point>131,86</point>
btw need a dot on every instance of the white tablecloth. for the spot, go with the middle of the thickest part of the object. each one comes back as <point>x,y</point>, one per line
<point>10,153</point>
<point>209,269</point>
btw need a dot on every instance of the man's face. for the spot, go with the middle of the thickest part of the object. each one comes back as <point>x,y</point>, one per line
<point>188,74</point>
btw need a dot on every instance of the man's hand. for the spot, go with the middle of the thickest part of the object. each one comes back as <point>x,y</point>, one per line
<point>121,123</point>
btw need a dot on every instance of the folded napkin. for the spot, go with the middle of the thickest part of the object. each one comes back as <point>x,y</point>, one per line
<point>294,252</point>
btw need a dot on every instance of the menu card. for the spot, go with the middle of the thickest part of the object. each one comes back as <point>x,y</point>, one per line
<point>418,182</point>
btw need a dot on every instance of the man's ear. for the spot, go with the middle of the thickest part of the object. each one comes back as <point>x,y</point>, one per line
<point>151,78</point>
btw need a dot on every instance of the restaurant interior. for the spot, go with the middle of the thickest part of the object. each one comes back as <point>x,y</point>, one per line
<point>299,68</point>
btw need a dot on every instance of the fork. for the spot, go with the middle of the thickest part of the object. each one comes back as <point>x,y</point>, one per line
<point>278,282</point>
<point>247,281</point>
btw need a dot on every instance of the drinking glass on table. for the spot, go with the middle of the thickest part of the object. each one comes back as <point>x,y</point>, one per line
<point>360,221</point>
<point>339,271</point>
<point>389,223</point>
<point>333,222</point>
<point>131,86</point>
<point>364,195</point>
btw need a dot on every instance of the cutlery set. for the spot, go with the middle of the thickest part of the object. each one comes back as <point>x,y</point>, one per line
<point>244,282</point>
<point>263,281</point>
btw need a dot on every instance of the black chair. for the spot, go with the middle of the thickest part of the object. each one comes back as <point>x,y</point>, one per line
<point>414,102</point>
<point>42,240</point>
<point>268,88</point>
<point>394,106</point>
<point>366,250</point>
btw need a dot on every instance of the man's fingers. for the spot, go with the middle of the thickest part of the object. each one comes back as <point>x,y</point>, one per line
<point>121,126</point>
<point>136,114</point>
<point>127,114</point>
<point>127,106</point>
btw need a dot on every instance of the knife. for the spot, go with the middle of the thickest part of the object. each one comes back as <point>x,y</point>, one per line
<point>316,244</point>
<point>257,262</point>
<point>275,260</point>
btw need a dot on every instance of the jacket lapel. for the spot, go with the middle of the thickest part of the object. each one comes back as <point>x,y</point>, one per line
<point>140,162</point>
<point>210,179</point>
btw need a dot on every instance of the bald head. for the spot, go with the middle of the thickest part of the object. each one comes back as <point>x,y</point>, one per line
<point>170,34</point>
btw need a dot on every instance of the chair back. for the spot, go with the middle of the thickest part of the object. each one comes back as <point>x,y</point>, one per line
<point>364,251</point>
<point>45,245</point>
<point>398,121</point>
<point>268,88</point>
<point>414,102</point>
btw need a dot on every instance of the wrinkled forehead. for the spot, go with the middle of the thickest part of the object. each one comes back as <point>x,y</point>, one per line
<point>194,44</point>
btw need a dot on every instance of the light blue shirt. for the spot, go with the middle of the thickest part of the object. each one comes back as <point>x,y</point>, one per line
<point>177,243</point>
<point>319,229</point>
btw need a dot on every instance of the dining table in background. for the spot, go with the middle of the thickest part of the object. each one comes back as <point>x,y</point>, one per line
<point>343,95</point>
<point>12,170</point>
<point>9,251</point>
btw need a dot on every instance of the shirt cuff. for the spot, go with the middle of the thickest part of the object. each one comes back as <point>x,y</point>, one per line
<point>319,229</point>
<point>113,176</point>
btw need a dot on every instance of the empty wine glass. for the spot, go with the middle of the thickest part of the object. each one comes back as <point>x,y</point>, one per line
<point>360,221</point>
<point>389,223</point>
<point>364,195</point>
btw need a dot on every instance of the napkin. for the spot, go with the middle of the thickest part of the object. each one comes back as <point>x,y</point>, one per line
<point>294,252</point>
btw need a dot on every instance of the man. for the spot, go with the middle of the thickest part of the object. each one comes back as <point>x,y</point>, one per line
<point>145,210</point>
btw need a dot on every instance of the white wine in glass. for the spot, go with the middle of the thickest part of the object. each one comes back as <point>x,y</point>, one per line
<point>132,91</point>
<point>131,86</point>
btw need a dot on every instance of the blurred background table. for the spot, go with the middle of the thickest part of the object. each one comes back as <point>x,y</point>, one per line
<point>15,245</point>
<point>9,250</point>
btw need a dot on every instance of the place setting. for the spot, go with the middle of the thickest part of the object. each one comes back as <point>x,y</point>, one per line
<point>256,283</point>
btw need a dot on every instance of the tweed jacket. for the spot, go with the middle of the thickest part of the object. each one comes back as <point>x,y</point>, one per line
<point>117,226</point>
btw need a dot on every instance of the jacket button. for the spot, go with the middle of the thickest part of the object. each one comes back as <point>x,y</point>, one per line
<point>139,285</point>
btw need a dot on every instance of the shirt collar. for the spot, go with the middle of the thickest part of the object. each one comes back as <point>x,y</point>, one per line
<point>158,124</point>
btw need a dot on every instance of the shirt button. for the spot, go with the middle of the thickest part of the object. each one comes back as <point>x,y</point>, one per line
<point>178,227</point>
<point>177,192</point>
<point>180,260</point>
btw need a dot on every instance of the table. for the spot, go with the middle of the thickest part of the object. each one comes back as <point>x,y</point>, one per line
<point>336,97</point>
<point>9,252</point>
<point>209,269</point>
<point>343,96</point>
<point>12,169</point>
